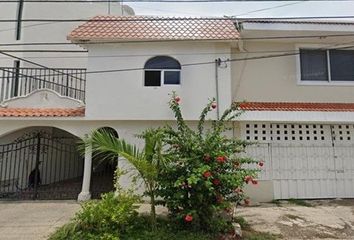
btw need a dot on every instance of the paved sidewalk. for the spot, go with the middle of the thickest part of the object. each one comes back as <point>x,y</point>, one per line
<point>34,220</point>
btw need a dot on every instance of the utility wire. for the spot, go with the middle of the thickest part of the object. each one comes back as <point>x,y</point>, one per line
<point>152,41</point>
<point>154,54</point>
<point>45,51</point>
<point>210,62</point>
<point>159,19</point>
<point>160,1</point>
<point>37,64</point>
<point>270,8</point>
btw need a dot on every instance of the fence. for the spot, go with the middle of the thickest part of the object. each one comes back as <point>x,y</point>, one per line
<point>307,171</point>
<point>16,82</point>
<point>39,166</point>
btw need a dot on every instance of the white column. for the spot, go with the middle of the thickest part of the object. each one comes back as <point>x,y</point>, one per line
<point>85,191</point>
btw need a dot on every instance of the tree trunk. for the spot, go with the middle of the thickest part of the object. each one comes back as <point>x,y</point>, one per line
<point>153,209</point>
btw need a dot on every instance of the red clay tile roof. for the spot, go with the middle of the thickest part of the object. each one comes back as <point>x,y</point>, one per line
<point>42,112</point>
<point>295,21</point>
<point>297,106</point>
<point>149,28</point>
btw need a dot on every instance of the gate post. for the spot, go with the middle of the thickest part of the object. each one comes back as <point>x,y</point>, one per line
<point>38,155</point>
<point>85,191</point>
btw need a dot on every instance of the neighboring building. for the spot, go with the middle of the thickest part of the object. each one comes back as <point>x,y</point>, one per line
<point>300,107</point>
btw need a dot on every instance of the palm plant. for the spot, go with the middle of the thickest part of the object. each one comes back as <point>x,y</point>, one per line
<point>148,161</point>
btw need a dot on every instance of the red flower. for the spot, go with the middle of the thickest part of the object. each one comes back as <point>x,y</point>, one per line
<point>216,182</point>
<point>248,179</point>
<point>177,99</point>
<point>213,105</point>
<point>188,218</point>
<point>261,163</point>
<point>238,190</point>
<point>255,182</point>
<point>219,199</point>
<point>221,159</point>
<point>207,158</point>
<point>207,174</point>
<point>247,201</point>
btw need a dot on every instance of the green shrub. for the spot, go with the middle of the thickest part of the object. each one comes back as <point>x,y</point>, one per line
<point>113,214</point>
<point>104,219</point>
<point>205,173</point>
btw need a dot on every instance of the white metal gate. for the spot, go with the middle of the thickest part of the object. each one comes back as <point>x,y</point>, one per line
<point>304,160</point>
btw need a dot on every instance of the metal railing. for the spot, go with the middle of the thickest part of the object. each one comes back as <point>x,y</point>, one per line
<point>40,166</point>
<point>17,82</point>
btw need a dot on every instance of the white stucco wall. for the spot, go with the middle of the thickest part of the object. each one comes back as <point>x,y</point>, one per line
<point>276,79</point>
<point>122,95</point>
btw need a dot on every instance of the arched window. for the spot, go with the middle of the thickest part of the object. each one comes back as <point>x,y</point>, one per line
<point>162,70</point>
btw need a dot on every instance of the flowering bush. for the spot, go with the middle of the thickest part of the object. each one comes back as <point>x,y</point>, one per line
<point>205,173</point>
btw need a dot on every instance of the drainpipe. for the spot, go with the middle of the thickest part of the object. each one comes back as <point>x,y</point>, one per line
<point>217,63</point>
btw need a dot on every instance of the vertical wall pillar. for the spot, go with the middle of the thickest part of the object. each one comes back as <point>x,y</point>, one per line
<point>85,191</point>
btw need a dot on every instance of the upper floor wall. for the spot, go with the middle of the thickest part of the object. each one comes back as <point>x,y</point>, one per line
<point>278,79</point>
<point>122,95</point>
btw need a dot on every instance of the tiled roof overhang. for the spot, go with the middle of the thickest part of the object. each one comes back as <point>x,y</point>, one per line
<point>42,112</point>
<point>297,106</point>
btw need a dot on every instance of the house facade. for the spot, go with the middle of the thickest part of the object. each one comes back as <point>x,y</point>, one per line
<point>296,93</point>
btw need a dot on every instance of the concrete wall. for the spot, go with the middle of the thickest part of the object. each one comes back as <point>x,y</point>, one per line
<point>122,95</point>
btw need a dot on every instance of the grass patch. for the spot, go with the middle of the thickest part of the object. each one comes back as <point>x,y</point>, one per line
<point>299,202</point>
<point>140,230</point>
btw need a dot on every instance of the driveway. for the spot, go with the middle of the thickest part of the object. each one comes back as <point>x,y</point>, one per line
<point>322,219</point>
<point>34,220</point>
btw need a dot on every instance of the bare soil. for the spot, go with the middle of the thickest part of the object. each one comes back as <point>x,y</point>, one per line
<point>319,219</point>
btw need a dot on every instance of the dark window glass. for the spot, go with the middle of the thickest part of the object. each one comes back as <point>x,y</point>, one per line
<point>313,65</point>
<point>342,65</point>
<point>162,62</point>
<point>172,77</point>
<point>152,78</point>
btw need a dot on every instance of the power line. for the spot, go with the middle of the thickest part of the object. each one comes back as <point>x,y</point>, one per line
<point>152,41</point>
<point>46,51</point>
<point>37,64</point>
<point>173,19</point>
<point>152,55</point>
<point>285,54</point>
<point>160,1</point>
<point>270,8</point>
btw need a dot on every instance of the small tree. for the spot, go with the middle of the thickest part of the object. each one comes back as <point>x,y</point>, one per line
<point>205,173</point>
<point>147,162</point>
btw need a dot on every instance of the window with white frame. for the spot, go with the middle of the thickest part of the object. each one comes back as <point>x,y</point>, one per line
<point>162,70</point>
<point>330,65</point>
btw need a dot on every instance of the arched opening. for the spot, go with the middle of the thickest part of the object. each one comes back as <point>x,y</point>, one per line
<point>103,168</point>
<point>40,163</point>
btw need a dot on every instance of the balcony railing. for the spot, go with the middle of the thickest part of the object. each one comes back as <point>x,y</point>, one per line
<point>16,82</point>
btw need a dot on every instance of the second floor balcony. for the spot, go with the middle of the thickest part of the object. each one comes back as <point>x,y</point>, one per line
<point>19,82</point>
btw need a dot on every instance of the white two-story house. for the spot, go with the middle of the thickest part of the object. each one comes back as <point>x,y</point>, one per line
<point>292,79</point>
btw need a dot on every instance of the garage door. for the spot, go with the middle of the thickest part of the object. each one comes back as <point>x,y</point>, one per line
<point>304,160</point>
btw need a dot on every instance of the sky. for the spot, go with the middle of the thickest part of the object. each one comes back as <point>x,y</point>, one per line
<point>248,9</point>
